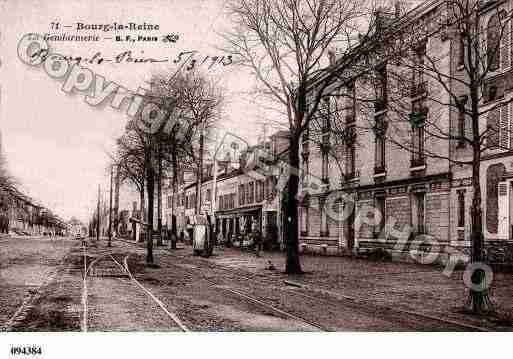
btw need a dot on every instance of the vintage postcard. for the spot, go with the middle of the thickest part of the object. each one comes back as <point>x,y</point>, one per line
<point>173,167</point>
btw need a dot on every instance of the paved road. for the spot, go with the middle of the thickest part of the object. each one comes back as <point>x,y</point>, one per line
<point>60,285</point>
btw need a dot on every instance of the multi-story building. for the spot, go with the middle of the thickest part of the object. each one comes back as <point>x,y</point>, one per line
<point>245,194</point>
<point>401,196</point>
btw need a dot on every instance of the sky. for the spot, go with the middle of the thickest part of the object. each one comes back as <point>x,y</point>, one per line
<point>56,144</point>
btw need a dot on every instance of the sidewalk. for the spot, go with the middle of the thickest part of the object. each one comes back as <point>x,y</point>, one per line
<point>418,288</point>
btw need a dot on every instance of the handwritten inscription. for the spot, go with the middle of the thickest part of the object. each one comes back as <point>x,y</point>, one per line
<point>128,56</point>
<point>188,58</point>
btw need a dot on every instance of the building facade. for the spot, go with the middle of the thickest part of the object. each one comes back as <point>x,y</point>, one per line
<point>241,197</point>
<point>372,191</point>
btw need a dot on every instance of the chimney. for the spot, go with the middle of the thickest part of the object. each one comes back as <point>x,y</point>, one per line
<point>397,7</point>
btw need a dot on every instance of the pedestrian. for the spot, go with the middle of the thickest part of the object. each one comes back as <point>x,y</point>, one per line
<point>257,241</point>
<point>241,239</point>
<point>229,240</point>
<point>219,237</point>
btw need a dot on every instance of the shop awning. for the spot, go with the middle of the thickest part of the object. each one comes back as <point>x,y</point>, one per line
<point>239,210</point>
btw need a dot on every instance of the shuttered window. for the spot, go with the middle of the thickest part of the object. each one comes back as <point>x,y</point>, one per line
<point>504,133</point>
<point>503,213</point>
<point>500,128</point>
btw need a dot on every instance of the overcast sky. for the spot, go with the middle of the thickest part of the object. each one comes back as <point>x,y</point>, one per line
<point>56,143</point>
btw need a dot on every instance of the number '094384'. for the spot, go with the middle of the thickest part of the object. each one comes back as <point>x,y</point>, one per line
<point>26,350</point>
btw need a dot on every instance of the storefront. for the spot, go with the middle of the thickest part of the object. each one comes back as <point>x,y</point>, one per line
<point>239,221</point>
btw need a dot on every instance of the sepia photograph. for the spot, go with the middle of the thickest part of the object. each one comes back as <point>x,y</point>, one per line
<point>169,167</point>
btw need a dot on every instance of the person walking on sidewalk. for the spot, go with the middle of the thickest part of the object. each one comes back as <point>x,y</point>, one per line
<point>257,240</point>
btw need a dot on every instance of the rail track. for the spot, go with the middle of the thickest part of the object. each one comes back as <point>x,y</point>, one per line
<point>314,294</point>
<point>125,271</point>
<point>319,294</point>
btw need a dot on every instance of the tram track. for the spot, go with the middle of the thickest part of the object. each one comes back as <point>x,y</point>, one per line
<point>254,300</point>
<point>336,299</point>
<point>88,269</point>
<point>411,319</point>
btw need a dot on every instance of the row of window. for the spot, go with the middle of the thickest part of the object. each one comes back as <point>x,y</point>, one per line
<point>226,201</point>
<point>418,217</point>
<point>188,201</point>
<point>418,117</point>
<point>251,192</point>
<point>497,56</point>
<point>255,191</point>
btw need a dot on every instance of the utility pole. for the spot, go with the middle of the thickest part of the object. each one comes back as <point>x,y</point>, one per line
<point>98,216</point>
<point>200,170</point>
<point>159,191</point>
<point>110,207</point>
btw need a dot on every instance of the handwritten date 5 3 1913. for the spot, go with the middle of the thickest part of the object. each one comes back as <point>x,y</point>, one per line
<point>183,58</point>
<point>187,58</point>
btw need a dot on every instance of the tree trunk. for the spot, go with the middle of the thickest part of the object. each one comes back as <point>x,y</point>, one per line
<point>199,180</point>
<point>150,185</point>
<point>142,199</point>
<point>116,200</point>
<point>159,198</point>
<point>293,265</point>
<point>478,301</point>
<point>174,234</point>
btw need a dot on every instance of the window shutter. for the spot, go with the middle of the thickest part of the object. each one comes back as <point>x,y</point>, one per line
<point>504,127</point>
<point>510,36</point>
<point>505,47</point>
<point>493,125</point>
<point>503,192</point>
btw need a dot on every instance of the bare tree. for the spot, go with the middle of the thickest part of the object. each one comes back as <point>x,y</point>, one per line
<point>129,158</point>
<point>284,45</point>
<point>178,111</point>
<point>194,104</point>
